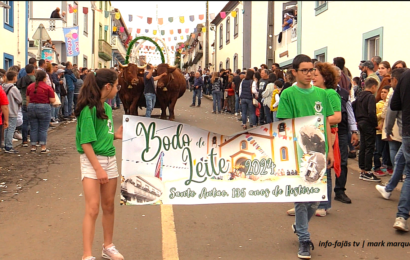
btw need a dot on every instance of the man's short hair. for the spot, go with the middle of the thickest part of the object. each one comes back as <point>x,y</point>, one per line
<point>370,82</point>
<point>396,73</point>
<point>276,64</point>
<point>32,61</point>
<point>377,59</point>
<point>299,59</point>
<point>53,64</point>
<point>29,68</point>
<point>10,75</point>
<point>339,62</point>
<point>266,71</point>
<point>238,71</point>
<point>41,62</point>
<point>368,64</point>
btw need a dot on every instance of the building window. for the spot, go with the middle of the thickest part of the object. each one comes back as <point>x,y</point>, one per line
<point>235,61</point>
<point>321,6</point>
<point>228,64</point>
<point>101,5</point>
<point>100,32</point>
<point>236,23</point>
<point>8,61</point>
<point>99,65</point>
<point>85,61</point>
<point>75,15</point>
<point>9,16</point>
<point>372,44</point>
<point>220,65</point>
<point>75,60</point>
<point>86,24</point>
<point>221,36</point>
<point>321,54</point>
<point>105,35</point>
<point>284,154</point>
<point>106,5</point>
<point>228,29</point>
<point>244,145</point>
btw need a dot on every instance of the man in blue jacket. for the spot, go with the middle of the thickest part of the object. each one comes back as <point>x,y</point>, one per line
<point>70,79</point>
<point>23,72</point>
<point>198,83</point>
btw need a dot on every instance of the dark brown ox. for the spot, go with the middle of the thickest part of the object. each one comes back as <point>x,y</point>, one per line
<point>131,79</point>
<point>175,82</point>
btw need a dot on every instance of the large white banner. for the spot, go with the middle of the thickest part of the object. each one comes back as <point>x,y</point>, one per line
<point>173,163</point>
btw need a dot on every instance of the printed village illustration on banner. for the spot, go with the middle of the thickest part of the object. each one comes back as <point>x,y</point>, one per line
<point>167,162</point>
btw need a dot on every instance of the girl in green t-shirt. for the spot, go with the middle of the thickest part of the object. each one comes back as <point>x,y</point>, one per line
<point>94,138</point>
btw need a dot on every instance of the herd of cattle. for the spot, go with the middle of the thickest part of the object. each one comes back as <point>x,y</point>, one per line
<point>131,79</point>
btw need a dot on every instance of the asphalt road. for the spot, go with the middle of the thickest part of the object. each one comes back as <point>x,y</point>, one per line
<point>42,207</point>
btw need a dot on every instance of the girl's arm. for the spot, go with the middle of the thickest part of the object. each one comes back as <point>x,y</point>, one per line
<point>277,98</point>
<point>336,118</point>
<point>89,152</point>
<point>330,158</point>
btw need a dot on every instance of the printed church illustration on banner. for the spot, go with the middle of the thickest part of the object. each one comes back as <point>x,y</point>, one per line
<point>262,142</point>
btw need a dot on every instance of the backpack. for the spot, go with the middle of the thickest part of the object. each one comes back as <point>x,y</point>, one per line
<point>216,86</point>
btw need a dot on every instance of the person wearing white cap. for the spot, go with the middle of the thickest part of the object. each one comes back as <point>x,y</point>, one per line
<point>287,22</point>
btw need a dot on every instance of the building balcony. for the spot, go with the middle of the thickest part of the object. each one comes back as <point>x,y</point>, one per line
<point>287,48</point>
<point>104,50</point>
<point>54,27</point>
<point>198,52</point>
<point>118,49</point>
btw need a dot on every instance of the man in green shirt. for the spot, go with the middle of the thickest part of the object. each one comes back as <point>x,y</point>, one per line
<point>301,100</point>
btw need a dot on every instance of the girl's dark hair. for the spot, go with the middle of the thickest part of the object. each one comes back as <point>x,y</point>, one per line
<point>258,76</point>
<point>90,92</point>
<point>386,87</point>
<point>249,74</point>
<point>40,76</point>
<point>328,73</point>
<point>279,83</point>
<point>279,74</point>
<point>399,62</point>
<point>386,64</point>
<point>272,78</point>
<point>357,81</point>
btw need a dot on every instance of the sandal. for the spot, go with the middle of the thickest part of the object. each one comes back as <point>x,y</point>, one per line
<point>45,151</point>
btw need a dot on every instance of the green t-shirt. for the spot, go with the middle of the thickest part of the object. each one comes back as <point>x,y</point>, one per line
<point>298,102</point>
<point>98,132</point>
<point>335,101</point>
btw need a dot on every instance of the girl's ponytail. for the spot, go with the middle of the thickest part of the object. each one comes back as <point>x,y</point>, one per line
<point>40,76</point>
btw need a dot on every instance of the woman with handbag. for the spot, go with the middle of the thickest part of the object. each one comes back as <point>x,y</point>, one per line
<point>247,89</point>
<point>39,97</point>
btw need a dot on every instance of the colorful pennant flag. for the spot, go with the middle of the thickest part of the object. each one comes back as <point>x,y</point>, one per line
<point>146,30</point>
<point>182,37</point>
<point>160,21</point>
<point>201,17</point>
<point>162,32</point>
<point>129,30</point>
<point>233,14</point>
<point>139,16</point>
<point>179,31</point>
<point>105,27</point>
<point>149,20</point>
<point>203,29</point>
<point>222,14</point>
<point>70,9</point>
<point>212,16</point>
<point>85,10</point>
<point>192,18</point>
<point>169,39</point>
<point>130,17</point>
<point>75,8</point>
<point>194,30</point>
<point>171,32</point>
<point>106,14</point>
<point>182,19</point>
<point>154,32</point>
<point>170,19</point>
<point>121,29</point>
<point>138,30</point>
<point>175,38</point>
<point>187,30</point>
<point>114,28</point>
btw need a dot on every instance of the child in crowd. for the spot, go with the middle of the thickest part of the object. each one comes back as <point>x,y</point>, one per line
<point>365,113</point>
<point>216,92</point>
<point>380,144</point>
<point>301,100</point>
<point>4,108</point>
<point>231,96</point>
<point>99,174</point>
<point>275,99</point>
<point>22,85</point>
<point>15,101</point>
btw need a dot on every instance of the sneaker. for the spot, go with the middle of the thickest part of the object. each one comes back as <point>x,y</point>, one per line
<point>25,144</point>
<point>361,176</point>
<point>111,253</point>
<point>236,114</point>
<point>383,192</point>
<point>390,171</point>
<point>380,173</point>
<point>213,112</point>
<point>11,150</point>
<point>320,213</point>
<point>369,176</point>
<point>291,212</point>
<point>352,155</point>
<point>15,140</point>
<point>192,105</point>
<point>401,224</point>
<point>45,151</point>
<point>18,136</point>
<point>198,105</point>
<point>304,249</point>
<point>54,123</point>
<point>89,258</point>
<point>342,197</point>
<point>294,229</point>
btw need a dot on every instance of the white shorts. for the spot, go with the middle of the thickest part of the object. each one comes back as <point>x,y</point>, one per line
<point>109,164</point>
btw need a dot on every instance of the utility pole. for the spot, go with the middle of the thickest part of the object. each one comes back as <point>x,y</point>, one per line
<point>207,37</point>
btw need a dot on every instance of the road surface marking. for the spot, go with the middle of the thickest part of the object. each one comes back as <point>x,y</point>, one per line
<point>169,236</point>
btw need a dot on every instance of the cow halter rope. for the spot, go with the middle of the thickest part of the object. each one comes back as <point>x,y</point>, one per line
<point>135,51</point>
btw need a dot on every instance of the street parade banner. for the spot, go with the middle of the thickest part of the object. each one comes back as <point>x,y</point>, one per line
<point>165,162</point>
<point>71,41</point>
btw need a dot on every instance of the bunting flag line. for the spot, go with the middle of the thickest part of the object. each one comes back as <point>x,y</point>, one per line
<point>106,14</point>
<point>222,14</point>
<point>175,38</point>
<point>154,32</point>
<point>182,19</point>
<point>171,32</point>
<point>70,9</point>
<point>160,21</point>
<point>192,18</point>
<point>138,30</point>
<point>105,27</point>
<point>162,32</point>
<point>212,16</point>
<point>194,30</point>
<point>233,14</point>
<point>169,39</point>
<point>201,17</point>
<point>170,19</point>
<point>117,15</point>
<point>186,30</point>
<point>139,16</point>
<point>146,30</point>
<point>129,30</point>
<point>85,10</point>
<point>182,37</point>
<point>203,29</point>
<point>179,31</point>
<point>130,17</point>
<point>121,29</point>
<point>75,8</point>
<point>149,20</point>
<point>114,28</point>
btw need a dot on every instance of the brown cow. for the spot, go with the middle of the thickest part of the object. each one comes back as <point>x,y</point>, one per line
<point>176,85</point>
<point>131,79</point>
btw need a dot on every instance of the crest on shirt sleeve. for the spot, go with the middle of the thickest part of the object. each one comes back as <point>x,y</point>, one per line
<point>109,125</point>
<point>318,106</point>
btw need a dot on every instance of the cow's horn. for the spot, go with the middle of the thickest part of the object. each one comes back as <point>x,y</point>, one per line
<point>142,67</point>
<point>119,64</point>
<point>172,67</point>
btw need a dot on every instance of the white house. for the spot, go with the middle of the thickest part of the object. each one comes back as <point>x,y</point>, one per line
<point>13,44</point>
<point>329,29</point>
